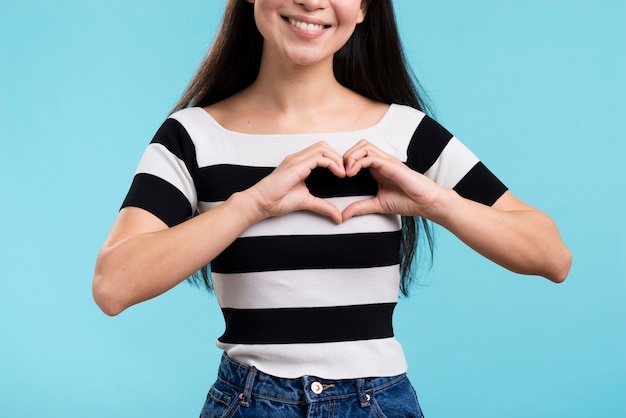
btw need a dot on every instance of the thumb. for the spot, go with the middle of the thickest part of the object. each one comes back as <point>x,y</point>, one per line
<point>323,207</point>
<point>360,207</point>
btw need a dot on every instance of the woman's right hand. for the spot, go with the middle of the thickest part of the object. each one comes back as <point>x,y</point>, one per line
<point>284,191</point>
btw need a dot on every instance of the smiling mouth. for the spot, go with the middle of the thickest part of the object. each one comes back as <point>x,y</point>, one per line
<point>307,27</point>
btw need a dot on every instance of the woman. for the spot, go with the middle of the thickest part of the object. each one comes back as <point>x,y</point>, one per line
<point>302,144</point>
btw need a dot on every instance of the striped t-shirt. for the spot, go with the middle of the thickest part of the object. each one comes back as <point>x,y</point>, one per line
<point>300,294</point>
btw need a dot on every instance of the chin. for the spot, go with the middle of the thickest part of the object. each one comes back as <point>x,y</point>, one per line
<point>305,58</point>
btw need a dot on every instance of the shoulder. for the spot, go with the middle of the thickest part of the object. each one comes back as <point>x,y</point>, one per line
<point>408,114</point>
<point>407,110</point>
<point>196,122</point>
<point>417,124</point>
<point>189,116</point>
<point>231,113</point>
<point>402,121</point>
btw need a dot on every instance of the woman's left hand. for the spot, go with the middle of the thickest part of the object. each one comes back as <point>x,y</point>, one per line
<point>401,191</point>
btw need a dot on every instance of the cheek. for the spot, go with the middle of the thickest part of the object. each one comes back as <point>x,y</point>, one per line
<point>265,14</point>
<point>349,11</point>
<point>359,9</point>
<point>266,7</point>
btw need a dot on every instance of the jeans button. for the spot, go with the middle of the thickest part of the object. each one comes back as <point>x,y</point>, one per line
<point>317,388</point>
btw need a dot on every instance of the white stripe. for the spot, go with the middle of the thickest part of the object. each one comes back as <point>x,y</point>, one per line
<point>453,164</point>
<point>400,129</point>
<point>307,288</point>
<point>194,121</point>
<point>159,161</point>
<point>216,145</point>
<point>342,360</point>
<point>310,223</point>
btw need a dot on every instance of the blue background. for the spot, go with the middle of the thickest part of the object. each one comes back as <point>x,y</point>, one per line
<point>535,88</point>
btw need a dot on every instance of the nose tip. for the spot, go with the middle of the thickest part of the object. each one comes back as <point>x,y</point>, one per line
<point>312,4</point>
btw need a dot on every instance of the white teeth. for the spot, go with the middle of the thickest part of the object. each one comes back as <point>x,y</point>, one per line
<point>310,27</point>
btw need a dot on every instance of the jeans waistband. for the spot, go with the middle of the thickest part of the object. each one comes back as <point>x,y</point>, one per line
<point>303,390</point>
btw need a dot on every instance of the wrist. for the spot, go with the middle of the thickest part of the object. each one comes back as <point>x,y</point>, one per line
<point>249,210</point>
<point>442,208</point>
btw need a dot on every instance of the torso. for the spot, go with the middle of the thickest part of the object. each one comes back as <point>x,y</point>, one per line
<point>302,272</point>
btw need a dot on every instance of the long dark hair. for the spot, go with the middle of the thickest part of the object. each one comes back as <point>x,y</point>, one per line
<point>371,63</point>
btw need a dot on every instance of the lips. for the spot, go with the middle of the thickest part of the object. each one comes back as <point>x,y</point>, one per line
<point>306,27</point>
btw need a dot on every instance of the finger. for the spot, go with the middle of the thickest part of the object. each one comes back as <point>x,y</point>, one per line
<point>302,166</point>
<point>361,207</point>
<point>366,161</point>
<point>362,155</point>
<point>323,155</point>
<point>335,167</point>
<point>351,156</point>
<point>323,207</point>
<point>362,143</point>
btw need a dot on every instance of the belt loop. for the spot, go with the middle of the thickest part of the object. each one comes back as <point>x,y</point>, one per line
<point>247,392</point>
<point>364,397</point>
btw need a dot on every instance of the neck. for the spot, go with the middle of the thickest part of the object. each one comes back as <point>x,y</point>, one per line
<point>288,88</point>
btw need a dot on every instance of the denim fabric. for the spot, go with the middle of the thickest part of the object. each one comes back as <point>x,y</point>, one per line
<point>243,391</point>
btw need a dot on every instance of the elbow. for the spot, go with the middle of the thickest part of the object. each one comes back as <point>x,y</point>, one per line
<point>106,289</point>
<point>561,268</point>
<point>105,296</point>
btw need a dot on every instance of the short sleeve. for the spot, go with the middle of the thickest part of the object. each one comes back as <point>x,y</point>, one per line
<point>163,183</point>
<point>436,153</point>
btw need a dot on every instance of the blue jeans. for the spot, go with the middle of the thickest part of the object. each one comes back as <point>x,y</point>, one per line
<point>243,391</point>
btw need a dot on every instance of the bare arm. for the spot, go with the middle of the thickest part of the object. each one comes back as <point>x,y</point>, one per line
<point>510,233</point>
<point>142,257</point>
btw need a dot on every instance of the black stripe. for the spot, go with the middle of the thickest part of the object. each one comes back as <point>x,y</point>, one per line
<point>427,143</point>
<point>271,253</point>
<point>308,325</point>
<point>217,183</point>
<point>323,183</point>
<point>480,185</point>
<point>173,136</point>
<point>158,197</point>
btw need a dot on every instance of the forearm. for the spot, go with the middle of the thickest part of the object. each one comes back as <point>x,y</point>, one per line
<point>142,266</point>
<point>523,240</point>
